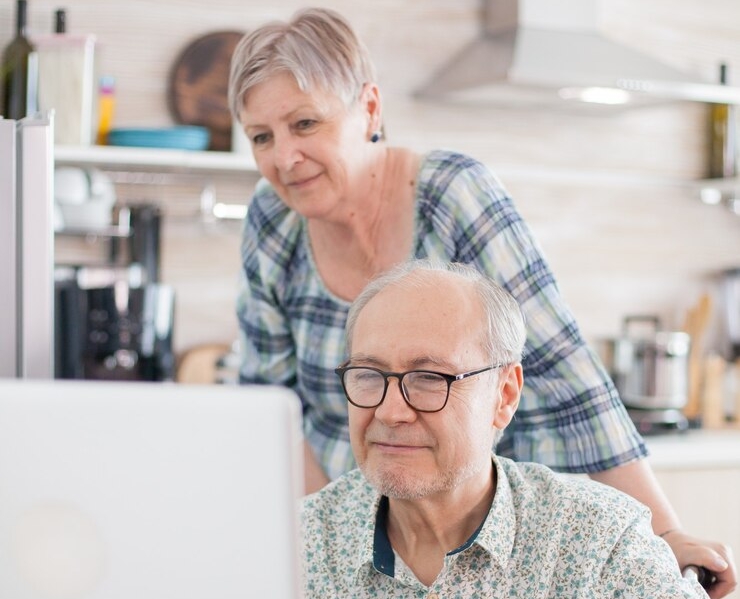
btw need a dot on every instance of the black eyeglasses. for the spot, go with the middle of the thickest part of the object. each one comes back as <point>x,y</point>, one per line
<point>423,390</point>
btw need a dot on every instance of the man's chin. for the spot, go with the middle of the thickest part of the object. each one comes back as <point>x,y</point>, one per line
<point>402,482</point>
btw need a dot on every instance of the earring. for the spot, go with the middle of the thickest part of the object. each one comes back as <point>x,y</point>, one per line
<point>375,137</point>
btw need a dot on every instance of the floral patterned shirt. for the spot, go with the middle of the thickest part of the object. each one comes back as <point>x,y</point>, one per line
<point>546,536</point>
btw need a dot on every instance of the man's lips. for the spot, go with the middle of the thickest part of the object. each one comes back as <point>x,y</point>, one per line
<point>397,446</point>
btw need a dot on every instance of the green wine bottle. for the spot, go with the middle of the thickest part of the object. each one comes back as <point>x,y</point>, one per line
<point>19,71</point>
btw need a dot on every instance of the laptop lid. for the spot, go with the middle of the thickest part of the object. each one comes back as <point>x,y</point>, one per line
<point>148,490</point>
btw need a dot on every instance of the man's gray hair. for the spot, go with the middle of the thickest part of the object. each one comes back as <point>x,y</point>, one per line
<point>506,330</point>
<point>317,46</point>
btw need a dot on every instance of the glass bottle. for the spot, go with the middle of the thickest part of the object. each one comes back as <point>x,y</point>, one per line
<point>19,71</point>
<point>723,140</point>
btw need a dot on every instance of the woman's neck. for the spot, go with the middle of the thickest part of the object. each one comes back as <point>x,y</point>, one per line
<point>374,228</point>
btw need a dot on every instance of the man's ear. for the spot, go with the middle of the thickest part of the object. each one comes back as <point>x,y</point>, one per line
<point>510,384</point>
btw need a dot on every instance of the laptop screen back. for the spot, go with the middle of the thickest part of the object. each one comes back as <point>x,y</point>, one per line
<point>148,491</point>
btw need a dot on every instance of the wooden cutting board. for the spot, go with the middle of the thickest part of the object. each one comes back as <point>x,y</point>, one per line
<point>197,92</point>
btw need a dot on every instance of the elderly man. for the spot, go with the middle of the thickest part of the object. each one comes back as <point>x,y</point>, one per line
<point>434,376</point>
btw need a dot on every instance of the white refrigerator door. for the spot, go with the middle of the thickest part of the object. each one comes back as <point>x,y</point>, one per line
<point>8,252</point>
<point>27,247</point>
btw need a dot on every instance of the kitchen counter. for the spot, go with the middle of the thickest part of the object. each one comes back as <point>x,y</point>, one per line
<point>695,449</point>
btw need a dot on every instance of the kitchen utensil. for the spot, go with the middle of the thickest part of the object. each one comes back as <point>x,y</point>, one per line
<point>198,85</point>
<point>713,392</point>
<point>695,326</point>
<point>649,367</point>
<point>731,292</point>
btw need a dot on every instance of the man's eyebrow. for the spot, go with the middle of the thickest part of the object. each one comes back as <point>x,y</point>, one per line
<point>421,362</point>
<point>366,360</point>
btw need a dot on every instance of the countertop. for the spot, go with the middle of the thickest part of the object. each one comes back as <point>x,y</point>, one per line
<point>701,448</point>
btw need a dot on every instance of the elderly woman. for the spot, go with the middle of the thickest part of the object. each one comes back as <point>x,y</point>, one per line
<point>337,205</point>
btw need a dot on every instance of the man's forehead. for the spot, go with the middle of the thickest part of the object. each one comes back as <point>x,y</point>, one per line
<point>425,294</point>
<point>420,326</point>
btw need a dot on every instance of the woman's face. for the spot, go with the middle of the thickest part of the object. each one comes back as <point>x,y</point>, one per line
<point>309,146</point>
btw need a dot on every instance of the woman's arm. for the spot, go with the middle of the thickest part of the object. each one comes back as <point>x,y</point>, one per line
<point>638,480</point>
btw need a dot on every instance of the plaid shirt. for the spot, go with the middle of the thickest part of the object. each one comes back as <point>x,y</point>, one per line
<point>570,417</point>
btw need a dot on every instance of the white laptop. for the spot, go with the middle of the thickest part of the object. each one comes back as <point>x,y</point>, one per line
<point>148,491</point>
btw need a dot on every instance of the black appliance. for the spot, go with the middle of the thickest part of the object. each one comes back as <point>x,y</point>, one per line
<point>115,321</point>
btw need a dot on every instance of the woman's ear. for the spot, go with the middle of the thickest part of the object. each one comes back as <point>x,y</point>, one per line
<point>372,106</point>
<point>510,384</point>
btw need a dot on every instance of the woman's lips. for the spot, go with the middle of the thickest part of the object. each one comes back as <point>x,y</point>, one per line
<point>302,182</point>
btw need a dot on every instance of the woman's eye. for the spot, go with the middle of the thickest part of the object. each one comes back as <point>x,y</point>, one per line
<point>260,138</point>
<point>305,124</point>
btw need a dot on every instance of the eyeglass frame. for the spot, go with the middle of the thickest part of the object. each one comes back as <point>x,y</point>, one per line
<point>449,378</point>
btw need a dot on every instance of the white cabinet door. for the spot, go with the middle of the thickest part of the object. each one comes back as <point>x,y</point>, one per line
<point>708,503</point>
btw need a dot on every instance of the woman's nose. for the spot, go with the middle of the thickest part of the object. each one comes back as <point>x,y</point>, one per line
<point>287,153</point>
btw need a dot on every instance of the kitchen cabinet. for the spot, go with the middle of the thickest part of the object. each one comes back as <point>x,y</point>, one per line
<point>700,473</point>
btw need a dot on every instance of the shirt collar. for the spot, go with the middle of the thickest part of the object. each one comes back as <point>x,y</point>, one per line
<point>495,534</point>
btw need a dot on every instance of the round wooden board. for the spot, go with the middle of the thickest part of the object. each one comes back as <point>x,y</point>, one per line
<point>197,92</point>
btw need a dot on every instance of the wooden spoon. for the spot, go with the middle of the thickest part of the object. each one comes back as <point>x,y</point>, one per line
<point>697,319</point>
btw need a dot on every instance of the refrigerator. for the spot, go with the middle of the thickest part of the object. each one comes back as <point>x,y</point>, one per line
<point>27,247</point>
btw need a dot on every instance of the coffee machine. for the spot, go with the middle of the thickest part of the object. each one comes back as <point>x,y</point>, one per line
<point>114,321</point>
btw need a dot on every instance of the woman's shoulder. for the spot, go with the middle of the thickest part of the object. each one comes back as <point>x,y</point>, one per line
<point>454,187</point>
<point>445,172</point>
<point>445,163</point>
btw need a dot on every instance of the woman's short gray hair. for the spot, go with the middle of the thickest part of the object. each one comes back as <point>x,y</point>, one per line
<point>506,330</point>
<point>317,46</point>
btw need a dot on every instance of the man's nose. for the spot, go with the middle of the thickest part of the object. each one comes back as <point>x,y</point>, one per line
<point>394,408</point>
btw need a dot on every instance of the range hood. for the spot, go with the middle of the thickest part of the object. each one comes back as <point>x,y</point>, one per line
<point>546,52</point>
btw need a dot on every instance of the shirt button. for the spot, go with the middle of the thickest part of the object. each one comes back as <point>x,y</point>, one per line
<point>432,595</point>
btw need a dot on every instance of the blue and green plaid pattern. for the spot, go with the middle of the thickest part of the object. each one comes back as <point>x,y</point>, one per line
<point>570,416</point>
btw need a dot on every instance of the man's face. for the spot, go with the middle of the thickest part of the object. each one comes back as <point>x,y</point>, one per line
<point>437,326</point>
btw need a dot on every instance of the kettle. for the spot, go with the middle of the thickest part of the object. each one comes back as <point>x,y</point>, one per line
<point>649,365</point>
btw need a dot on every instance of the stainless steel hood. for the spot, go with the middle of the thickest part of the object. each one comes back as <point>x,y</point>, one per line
<point>546,52</point>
